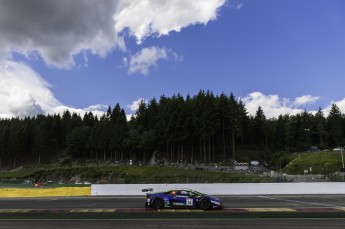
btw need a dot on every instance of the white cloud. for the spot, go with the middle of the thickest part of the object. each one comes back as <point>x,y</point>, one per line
<point>97,110</point>
<point>273,106</point>
<point>59,30</point>
<point>305,99</point>
<point>134,107</point>
<point>23,92</point>
<point>135,104</point>
<point>164,16</point>
<point>100,107</point>
<point>145,59</point>
<point>340,104</point>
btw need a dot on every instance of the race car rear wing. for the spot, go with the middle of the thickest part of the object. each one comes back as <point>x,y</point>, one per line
<point>147,190</point>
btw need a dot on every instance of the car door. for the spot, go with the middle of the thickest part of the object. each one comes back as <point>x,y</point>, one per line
<point>182,199</point>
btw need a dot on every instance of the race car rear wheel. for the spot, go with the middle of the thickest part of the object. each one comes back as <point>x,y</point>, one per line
<point>157,203</point>
<point>204,204</point>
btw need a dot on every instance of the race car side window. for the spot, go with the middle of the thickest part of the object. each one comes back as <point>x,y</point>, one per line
<point>183,193</point>
<point>173,193</point>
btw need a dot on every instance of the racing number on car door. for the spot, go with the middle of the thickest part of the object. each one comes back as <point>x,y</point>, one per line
<point>189,202</point>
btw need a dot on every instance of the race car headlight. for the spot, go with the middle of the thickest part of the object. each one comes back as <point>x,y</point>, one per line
<point>148,200</point>
<point>216,202</point>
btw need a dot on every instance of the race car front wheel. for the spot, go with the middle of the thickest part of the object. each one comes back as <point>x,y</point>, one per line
<point>157,203</point>
<point>204,204</point>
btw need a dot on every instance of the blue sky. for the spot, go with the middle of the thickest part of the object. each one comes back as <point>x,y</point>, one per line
<point>285,56</point>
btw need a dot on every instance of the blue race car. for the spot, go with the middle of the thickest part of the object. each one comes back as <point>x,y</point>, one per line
<point>181,198</point>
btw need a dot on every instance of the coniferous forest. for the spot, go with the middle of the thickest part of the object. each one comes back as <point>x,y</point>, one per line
<point>205,128</point>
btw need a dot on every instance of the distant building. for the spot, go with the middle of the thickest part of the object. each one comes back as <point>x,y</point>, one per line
<point>241,166</point>
<point>254,163</point>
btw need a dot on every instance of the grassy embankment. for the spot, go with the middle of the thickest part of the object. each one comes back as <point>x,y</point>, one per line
<point>327,162</point>
<point>124,174</point>
<point>320,162</point>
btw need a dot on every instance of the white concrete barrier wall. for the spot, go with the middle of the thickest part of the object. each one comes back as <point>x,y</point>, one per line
<point>224,189</point>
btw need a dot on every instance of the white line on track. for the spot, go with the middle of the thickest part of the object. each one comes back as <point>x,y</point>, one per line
<point>301,202</point>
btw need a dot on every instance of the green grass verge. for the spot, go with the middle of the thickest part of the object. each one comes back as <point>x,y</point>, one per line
<point>320,162</point>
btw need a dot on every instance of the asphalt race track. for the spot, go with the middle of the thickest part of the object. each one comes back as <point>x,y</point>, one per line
<point>307,211</point>
<point>204,224</point>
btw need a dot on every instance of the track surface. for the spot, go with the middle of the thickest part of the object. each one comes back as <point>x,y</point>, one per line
<point>307,211</point>
<point>195,224</point>
<point>136,203</point>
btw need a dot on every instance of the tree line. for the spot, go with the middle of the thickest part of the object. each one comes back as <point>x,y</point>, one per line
<point>205,128</point>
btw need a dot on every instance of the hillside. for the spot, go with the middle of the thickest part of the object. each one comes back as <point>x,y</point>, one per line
<point>327,162</point>
<point>120,174</point>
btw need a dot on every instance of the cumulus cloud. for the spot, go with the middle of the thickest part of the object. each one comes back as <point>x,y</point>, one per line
<point>305,99</point>
<point>148,57</point>
<point>59,30</point>
<point>164,16</point>
<point>135,104</point>
<point>134,107</point>
<point>23,93</point>
<point>340,104</point>
<point>273,106</point>
<point>97,110</point>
